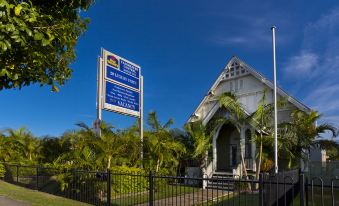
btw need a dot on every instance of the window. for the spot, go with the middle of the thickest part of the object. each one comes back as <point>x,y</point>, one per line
<point>231,86</point>
<point>240,84</point>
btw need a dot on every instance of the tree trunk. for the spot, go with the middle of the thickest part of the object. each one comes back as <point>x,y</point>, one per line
<point>259,159</point>
<point>242,156</point>
<point>243,162</point>
<point>243,165</point>
<point>158,165</point>
<point>109,162</point>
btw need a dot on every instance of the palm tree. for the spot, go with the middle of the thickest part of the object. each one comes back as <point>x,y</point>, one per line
<point>51,149</point>
<point>131,139</point>
<point>202,140</point>
<point>108,146</point>
<point>78,152</point>
<point>162,147</point>
<point>302,133</point>
<point>238,117</point>
<point>6,149</point>
<point>261,120</point>
<point>25,141</point>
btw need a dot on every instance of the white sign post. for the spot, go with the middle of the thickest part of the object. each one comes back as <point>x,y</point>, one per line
<point>120,88</point>
<point>97,122</point>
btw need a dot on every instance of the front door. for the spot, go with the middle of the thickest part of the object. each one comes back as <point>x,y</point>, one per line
<point>233,155</point>
<point>223,153</point>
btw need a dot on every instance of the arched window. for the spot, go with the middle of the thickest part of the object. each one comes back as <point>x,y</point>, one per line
<point>248,144</point>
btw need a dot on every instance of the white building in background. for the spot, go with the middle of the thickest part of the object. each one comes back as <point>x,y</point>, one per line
<point>249,86</point>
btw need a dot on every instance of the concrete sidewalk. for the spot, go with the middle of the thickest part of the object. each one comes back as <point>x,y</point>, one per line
<point>5,201</point>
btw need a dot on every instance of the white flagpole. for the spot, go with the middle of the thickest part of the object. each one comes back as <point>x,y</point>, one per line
<point>275,104</point>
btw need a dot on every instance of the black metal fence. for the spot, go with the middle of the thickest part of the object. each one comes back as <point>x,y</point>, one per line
<point>113,188</point>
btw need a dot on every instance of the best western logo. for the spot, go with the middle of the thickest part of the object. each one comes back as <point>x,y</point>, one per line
<point>112,61</point>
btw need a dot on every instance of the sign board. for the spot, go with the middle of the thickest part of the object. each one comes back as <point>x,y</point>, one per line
<point>121,99</point>
<point>121,85</point>
<point>120,90</point>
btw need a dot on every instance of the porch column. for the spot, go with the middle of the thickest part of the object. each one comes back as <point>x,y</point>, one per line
<point>214,150</point>
<point>254,151</point>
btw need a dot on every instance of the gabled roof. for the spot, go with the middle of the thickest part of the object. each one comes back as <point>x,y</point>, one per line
<point>259,76</point>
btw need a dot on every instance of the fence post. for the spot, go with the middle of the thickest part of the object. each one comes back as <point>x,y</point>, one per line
<point>261,189</point>
<point>37,178</point>
<point>306,190</point>
<point>302,188</point>
<point>108,187</point>
<point>151,188</point>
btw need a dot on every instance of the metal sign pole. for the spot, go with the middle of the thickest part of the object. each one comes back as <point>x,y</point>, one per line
<point>275,104</point>
<point>99,97</point>
<point>141,120</point>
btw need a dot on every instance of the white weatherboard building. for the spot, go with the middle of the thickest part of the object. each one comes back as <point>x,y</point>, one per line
<point>249,86</point>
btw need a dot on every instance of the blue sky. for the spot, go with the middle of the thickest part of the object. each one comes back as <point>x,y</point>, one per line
<point>182,46</point>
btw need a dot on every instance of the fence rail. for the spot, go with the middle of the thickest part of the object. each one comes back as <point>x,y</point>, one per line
<point>112,188</point>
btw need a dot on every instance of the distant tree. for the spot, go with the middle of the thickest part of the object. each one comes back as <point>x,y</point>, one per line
<point>163,151</point>
<point>37,41</point>
<point>333,153</point>
<point>51,149</point>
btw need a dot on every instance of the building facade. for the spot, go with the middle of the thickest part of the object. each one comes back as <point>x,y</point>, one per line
<point>249,86</point>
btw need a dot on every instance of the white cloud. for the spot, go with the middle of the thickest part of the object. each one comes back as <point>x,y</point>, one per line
<point>325,99</point>
<point>250,39</point>
<point>331,119</point>
<point>301,64</point>
<point>231,40</point>
<point>252,29</point>
<point>319,53</point>
<point>317,65</point>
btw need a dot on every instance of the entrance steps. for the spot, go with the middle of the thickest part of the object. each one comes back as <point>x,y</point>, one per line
<point>221,181</point>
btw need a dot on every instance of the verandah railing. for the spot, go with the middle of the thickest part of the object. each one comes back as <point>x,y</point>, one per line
<point>113,188</point>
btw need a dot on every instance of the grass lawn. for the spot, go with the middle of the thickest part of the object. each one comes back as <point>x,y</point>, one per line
<point>163,192</point>
<point>33,197</point>
<point>236,200</point>
<point>327,198</point>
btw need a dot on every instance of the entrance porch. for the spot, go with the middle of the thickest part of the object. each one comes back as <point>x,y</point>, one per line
<point>226,151</point>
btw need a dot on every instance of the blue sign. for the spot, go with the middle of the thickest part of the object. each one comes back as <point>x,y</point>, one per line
<point>129,68</point>
<point>122,99</point>
<point>122,77</point>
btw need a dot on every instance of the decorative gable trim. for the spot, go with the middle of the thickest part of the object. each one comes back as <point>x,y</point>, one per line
<point>234,69</point>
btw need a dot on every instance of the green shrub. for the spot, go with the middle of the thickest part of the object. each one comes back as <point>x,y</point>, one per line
<point>128,180</point>
<point>2,170</point>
